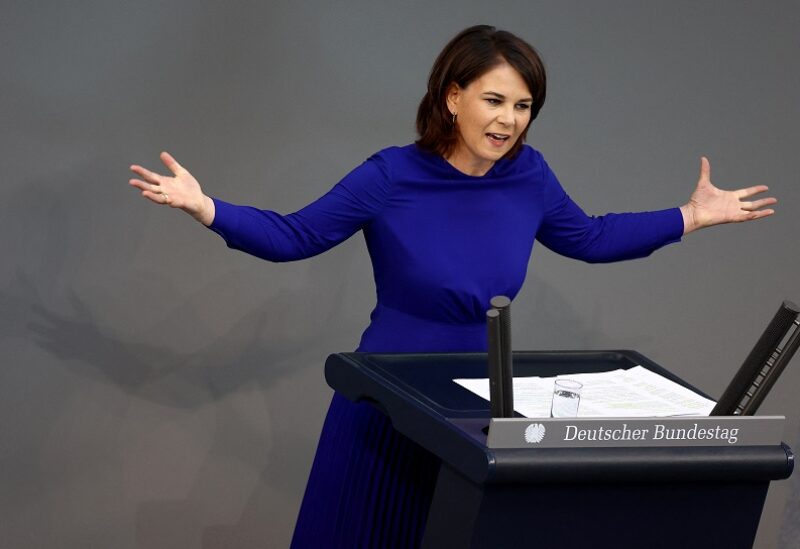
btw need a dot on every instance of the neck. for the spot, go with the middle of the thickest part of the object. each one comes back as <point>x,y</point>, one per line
<point>469,166</point>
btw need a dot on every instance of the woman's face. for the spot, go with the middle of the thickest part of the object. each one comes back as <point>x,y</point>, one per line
<point>493,110</point>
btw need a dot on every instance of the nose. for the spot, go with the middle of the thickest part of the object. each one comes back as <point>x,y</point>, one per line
<point>506,116</point>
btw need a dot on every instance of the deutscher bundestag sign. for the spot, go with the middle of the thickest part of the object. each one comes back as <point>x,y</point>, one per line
<point>635,432</point>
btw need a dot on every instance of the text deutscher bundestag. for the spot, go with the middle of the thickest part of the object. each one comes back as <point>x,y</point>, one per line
<point>658,432</point>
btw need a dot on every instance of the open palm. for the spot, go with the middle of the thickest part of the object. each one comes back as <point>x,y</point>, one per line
<point>181,190</point>
<point>709,205</point>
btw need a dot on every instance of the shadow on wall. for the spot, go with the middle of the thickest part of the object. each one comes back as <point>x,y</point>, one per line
<point>243,470</point>
<point>239,356</point>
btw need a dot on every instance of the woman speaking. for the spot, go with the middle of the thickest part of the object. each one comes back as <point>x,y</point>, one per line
<point>449,222</point>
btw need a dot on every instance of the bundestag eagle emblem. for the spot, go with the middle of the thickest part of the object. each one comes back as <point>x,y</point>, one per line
<point>534,433</point>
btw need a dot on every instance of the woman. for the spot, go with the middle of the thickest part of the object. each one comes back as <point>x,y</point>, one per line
<point>449,222</point>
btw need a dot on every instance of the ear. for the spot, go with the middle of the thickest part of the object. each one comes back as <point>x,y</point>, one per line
<point>453,96</point>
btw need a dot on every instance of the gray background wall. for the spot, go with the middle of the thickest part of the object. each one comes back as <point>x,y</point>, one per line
<point>159,390</point>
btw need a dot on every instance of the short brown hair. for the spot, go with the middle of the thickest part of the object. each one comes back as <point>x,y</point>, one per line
<point>471,54</point>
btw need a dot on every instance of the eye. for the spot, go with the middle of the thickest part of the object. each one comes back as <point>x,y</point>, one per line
<point>523,106</point>
<point>493,101</point>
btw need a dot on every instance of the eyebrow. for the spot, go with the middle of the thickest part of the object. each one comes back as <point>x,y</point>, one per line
<point>501,96</point>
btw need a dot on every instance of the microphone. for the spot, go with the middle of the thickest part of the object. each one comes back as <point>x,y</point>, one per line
<point>501,371</point>
<point>763,365</point>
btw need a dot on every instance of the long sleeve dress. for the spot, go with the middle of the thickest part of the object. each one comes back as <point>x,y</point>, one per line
<point>442,243</point>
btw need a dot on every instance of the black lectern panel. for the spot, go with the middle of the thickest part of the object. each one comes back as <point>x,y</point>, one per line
<point>576,497</point>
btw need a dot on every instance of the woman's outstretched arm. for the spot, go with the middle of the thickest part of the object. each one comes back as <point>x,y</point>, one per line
<point>567,230</point>
<point>319,226</point>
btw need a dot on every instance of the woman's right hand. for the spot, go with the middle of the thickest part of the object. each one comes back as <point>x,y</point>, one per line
<point>179,191</point>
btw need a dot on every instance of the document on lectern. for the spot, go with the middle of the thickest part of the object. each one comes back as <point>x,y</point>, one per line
<point>635,392</point>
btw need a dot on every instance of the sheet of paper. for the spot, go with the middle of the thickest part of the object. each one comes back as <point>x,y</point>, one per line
<point>636,392</point>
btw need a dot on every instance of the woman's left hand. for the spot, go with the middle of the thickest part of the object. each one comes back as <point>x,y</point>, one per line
<point>709,205</point>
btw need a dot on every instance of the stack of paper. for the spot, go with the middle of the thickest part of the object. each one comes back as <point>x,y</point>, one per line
<point>636,392</point>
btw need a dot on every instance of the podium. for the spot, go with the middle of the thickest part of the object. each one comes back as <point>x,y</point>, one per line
<point>620,497</point>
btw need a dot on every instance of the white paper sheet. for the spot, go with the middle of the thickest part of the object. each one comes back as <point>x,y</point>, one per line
<point>636,392</point>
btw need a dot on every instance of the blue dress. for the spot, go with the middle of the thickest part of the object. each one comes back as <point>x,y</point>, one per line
<point>442,243</point>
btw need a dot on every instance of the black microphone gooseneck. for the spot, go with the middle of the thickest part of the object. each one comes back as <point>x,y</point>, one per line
<point>501,372</point>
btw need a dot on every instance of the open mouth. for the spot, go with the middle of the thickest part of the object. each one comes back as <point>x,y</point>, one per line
<point>497,139</point>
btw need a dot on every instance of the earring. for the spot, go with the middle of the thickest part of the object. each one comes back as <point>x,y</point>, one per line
<point>454,119</point>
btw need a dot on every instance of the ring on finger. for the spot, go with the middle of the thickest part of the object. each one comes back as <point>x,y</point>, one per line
<point>166,198</point>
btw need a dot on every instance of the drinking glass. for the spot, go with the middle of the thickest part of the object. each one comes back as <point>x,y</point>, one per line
<point>566,398</point>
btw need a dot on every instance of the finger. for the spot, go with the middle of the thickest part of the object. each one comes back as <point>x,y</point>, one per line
<point>152,197</point>
<point>749,216</point>
<point>750,191</point>
<point>758,204</point>
<point>170,162</point>
<point>159,198</point>
<point>139,184</point>
<point>147,175</point>
<point>705,169</point>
